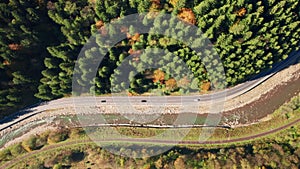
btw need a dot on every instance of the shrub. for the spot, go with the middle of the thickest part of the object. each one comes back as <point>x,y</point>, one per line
<point>17,149</point>
<point>57,166</point>
<point>5,155</point>
<point>30,144</point>
<point>57,136</point>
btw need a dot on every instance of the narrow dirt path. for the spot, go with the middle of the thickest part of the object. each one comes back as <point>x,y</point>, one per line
<point>70,143</point>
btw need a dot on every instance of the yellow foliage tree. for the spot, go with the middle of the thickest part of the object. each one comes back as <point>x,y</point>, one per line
<point>173,2</point>
<point>155,6</point>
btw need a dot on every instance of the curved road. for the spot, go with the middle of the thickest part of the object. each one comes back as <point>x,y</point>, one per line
<point>18,117</point>
<point>171,100</point>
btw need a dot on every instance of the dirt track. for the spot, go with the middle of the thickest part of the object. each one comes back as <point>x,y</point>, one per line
<point>51,147</point>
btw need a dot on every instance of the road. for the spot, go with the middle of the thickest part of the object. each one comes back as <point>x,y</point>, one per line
<point>227,94</point>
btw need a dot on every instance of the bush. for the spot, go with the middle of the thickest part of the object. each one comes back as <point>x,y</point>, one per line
<point>39,165</point>
<point>17,149</point>
<point>30,144</point>
<point>57,166</point>
<point>58,136</point>
<point>76,133</point>
<point>5,155</point>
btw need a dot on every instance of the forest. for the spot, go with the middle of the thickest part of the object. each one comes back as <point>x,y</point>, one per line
<point>40,41</point>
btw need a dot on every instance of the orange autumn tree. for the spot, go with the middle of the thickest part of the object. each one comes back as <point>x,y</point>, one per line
<point>158,76</point>
<point>171,84</point>
<point>187,15</point>
<point>241,12</point>
<point>179,163</point>
<point>6,62</point>
<point>99,24</point>
<point>136,37</point>
<point>135,54</point>
<point>15,46</point>
<point>101,28</point>
<point>133,38</point>
<point>205,86</point>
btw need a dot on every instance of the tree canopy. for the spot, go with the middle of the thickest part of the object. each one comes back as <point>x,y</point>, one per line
<point>40,42</point>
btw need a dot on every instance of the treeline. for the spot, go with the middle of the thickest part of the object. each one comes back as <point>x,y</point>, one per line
<point>47,36</point>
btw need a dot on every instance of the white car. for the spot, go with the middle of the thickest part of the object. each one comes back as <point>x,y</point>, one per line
<point>197,100</point>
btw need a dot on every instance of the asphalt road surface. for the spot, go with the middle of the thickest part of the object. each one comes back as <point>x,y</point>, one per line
<point>144,100</point>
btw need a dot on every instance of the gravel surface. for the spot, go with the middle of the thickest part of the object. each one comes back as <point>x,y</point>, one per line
<point>281,78</point>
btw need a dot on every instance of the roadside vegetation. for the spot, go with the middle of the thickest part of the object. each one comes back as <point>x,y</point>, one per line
<point>40,41</point>
<point>71,147</point>
<point>280,152</point>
